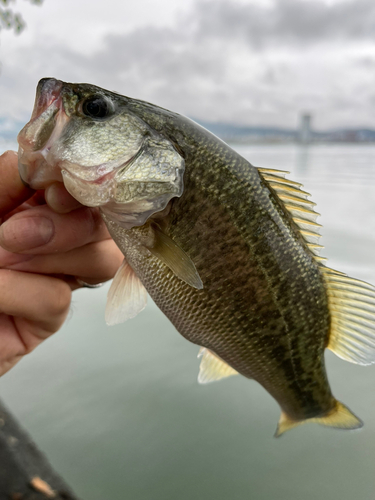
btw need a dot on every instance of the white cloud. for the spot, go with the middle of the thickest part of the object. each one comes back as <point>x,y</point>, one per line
<point>235,61</point>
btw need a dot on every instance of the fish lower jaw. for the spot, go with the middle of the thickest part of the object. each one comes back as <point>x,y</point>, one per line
<point>34,170</point>
<point>90,193</point>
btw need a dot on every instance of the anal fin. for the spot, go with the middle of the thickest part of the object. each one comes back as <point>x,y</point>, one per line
<point>340,417</point>
<point>212,367</point>
<point>126,297</point>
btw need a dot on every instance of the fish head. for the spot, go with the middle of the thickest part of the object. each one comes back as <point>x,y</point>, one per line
<point>105,154</point>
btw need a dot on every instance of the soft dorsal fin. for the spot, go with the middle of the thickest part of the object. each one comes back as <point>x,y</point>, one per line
<point>352,309</point>
<point>126,297</point>
<point>296,201</point>
<point>339,417</point>
<point>165,249</point>
<point>212,367</point>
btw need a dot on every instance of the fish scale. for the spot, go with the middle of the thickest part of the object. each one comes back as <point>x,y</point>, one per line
<point>248,342</point>
<point>228,251</point>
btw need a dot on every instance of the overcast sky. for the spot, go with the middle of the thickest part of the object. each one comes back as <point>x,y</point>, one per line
<point>239,61</point>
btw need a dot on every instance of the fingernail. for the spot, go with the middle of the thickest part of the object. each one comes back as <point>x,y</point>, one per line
<point>26,233</point>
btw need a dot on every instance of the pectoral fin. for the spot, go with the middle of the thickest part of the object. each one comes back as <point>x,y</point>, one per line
<point>339,417</point>
<point>165,249</point>
<point>126,297</point>
<point>212,367</point>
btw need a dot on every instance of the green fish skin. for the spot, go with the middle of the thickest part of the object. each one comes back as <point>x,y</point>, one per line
<point>255,295</point>
<point>263,308</point>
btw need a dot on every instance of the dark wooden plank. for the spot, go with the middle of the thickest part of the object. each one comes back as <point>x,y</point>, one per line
<point>25,473</point>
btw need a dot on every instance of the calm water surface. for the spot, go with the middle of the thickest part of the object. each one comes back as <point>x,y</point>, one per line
<point>121,416</point>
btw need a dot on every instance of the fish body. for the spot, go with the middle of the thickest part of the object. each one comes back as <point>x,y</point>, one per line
<point>263,308</point>
<point>226,250</point>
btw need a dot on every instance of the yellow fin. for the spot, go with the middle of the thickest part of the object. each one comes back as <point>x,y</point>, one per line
<point>322,260</point>
<point>280,180</point>
<point>352,308</point>
<point>315,248</point>
<point>296,202</point>
<point>339,417</point>
<point>307,224</point>
<point>212,367</point>
<point>274,172</point>
<point>293,198</point>
<point>175,258</point>
<point>282,187</point>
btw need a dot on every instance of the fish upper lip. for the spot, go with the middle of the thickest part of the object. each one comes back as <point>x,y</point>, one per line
<point>29,136</point>
<point>35,139</point>
<point>48,91</point>
<point>48,103</point>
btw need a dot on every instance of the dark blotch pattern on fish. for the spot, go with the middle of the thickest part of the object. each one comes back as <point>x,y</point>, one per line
<point>263,308</point>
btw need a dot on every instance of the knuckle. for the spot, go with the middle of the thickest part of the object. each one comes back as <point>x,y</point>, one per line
<point>60,299</point>
<point>88,224</point>
<point>96,219</point>
<point>107,258</point>
<point>8,155</point>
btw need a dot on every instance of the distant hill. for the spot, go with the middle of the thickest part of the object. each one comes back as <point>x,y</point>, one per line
<point>244,134</point>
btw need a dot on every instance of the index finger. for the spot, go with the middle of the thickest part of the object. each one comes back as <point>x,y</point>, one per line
<point>12,190</point>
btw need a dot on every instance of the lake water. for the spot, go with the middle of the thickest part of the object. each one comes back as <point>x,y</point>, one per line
<point>120,414</point>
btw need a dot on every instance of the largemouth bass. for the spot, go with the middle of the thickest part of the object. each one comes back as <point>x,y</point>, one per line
<point>228,251</point>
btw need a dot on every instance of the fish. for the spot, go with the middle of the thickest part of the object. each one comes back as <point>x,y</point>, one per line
<point>228,251</point>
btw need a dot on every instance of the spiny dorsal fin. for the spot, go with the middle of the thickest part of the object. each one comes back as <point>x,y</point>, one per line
<point>352,309</point>
<point>165,249</point>
<point>296,201</point>
<point>212,367</point>
<point>274,172</point>
<point>126,297</point>
<point>339,417</point>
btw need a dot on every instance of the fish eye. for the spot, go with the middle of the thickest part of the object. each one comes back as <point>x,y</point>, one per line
<point>96,107</point>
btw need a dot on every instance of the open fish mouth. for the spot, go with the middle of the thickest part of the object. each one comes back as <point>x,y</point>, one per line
<point>35,139</point>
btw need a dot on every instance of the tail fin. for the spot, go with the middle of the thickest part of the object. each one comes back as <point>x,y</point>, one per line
<point>340,417</point>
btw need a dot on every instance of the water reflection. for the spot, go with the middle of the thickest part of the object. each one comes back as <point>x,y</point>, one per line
<point>119,412</point>
<point>302,158</point>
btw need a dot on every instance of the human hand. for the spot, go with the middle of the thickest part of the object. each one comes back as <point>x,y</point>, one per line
<point>43,252</point>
